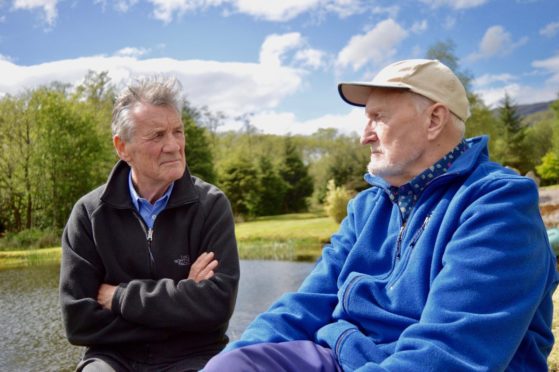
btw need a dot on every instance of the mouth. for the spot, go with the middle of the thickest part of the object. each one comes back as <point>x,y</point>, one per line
<point>170,162</point>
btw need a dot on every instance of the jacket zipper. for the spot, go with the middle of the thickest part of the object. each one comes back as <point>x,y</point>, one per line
<point>414,239</point>
<point>399,242</point>
<point>149,238</point>
<point>420,231</point>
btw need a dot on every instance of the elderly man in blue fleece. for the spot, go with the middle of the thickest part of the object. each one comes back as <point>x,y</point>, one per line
<point>443,264</point>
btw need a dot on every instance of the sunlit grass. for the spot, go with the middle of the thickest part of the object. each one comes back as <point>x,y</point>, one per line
<point>13,259</point>
<point>291,237</point>
<point>293,226</point>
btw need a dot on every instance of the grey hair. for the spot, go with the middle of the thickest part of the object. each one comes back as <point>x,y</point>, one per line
<point>154,90</point>
<point>421,103</point>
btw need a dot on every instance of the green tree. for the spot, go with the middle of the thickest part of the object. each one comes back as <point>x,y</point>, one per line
<point>239,181</point>
<point>16,139</point>
<point>198,151</point>
<point>95,98</point>
<point>514,154</point>
<point>296,176</point>
<point>549,167</point>
<point>483,122</point>
<point>338,157</point>
<point>66,153</point>
<point>272,188</point>
<point>540,133</point>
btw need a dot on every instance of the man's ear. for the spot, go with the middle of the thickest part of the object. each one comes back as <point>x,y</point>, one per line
<point>120,147</point>
<point>440,115</point>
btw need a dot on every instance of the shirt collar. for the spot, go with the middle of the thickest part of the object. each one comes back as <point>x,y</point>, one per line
<point>406,195</point>
<point>136,198</point>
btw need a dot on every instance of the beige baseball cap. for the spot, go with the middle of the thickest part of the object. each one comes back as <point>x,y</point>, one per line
<point>427,77</point>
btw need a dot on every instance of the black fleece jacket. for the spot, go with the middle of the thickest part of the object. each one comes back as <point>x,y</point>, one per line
<point>157,314</point>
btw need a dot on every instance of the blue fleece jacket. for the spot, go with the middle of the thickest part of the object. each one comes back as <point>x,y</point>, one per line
<point>464,285</point>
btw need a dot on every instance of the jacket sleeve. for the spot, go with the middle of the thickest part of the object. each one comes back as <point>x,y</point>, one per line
<point>298,315</point>
<point>81,274</point>
<point>496,271</point>
<point>187,305</point>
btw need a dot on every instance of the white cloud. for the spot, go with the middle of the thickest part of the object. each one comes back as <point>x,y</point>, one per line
<point>124,5</point>
<point>390,11</point>
<point>166,10</point>
<point>455,4</point>
<point>345,8</point>
<point>120,5</point>
<point>519,93</point>
<point>233,88</point>
<point>131,52</point>
<point>5,58</point>
<point>275,10</point>
<point>496,42</point>
<point>311,58</point>
<point>285,10</point>
<point>377,45</point>
<point>449,22</point>
<point>551,65</point>
<point>492,92</point>
<point>275,46</point>
<point>488,79</point>
<point>419,26</point>
<point>550,29</point>
<point>47,6</point>
<point>285,122</point>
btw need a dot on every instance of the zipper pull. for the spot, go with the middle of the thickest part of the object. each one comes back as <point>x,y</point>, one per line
<point>150,235</point>
<point>420,231</point>
<point>399,242</point>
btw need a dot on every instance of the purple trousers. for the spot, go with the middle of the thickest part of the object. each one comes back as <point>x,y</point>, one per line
<point>291,356</point>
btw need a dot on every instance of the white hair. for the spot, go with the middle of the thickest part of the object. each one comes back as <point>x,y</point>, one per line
<point>155,90</point>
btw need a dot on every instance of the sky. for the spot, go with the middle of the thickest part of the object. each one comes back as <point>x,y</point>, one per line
<point>277,63</point>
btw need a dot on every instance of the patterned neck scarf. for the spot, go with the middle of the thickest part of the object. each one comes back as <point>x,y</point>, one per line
<point>406,195</point>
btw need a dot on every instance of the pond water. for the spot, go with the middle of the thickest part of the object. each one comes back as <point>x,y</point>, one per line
<point>32,337</point>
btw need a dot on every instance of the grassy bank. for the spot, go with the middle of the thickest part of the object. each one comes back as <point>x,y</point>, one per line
<point>292,237</point>
<point>13,259</point>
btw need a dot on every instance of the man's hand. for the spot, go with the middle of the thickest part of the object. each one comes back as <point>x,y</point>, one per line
<point>203,267</point>
<point>105,295</point>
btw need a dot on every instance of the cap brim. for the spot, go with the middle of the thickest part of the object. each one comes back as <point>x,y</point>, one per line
<point>357,93</point>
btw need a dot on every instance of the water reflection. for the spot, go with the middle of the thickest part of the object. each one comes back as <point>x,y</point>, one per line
<point>32,335</point>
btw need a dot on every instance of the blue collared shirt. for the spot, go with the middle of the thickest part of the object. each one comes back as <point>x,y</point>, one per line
<point>147,210</point>
<point>406,195</point>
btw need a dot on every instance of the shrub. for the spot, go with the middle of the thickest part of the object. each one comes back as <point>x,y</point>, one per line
<point>336,201</point>
<point>549,168</point>
<point>30,239</point>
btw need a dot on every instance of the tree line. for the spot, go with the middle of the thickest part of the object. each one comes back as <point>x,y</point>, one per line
<point>56,146</point>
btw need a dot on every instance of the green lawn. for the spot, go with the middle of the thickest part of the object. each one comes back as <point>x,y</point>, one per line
<point>293,237</point>
<point>13,259</point>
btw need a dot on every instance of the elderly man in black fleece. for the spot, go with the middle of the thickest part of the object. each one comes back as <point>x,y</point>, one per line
<point>150,268</point>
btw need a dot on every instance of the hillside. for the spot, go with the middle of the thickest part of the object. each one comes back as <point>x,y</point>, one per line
<point>532,113</point>
<point>532,108</point>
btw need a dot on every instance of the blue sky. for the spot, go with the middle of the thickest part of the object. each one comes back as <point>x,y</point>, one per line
<point>279,61</point>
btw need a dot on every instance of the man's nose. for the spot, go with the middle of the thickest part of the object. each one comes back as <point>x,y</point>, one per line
<point>171,143</point>
<point>369,134</point>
